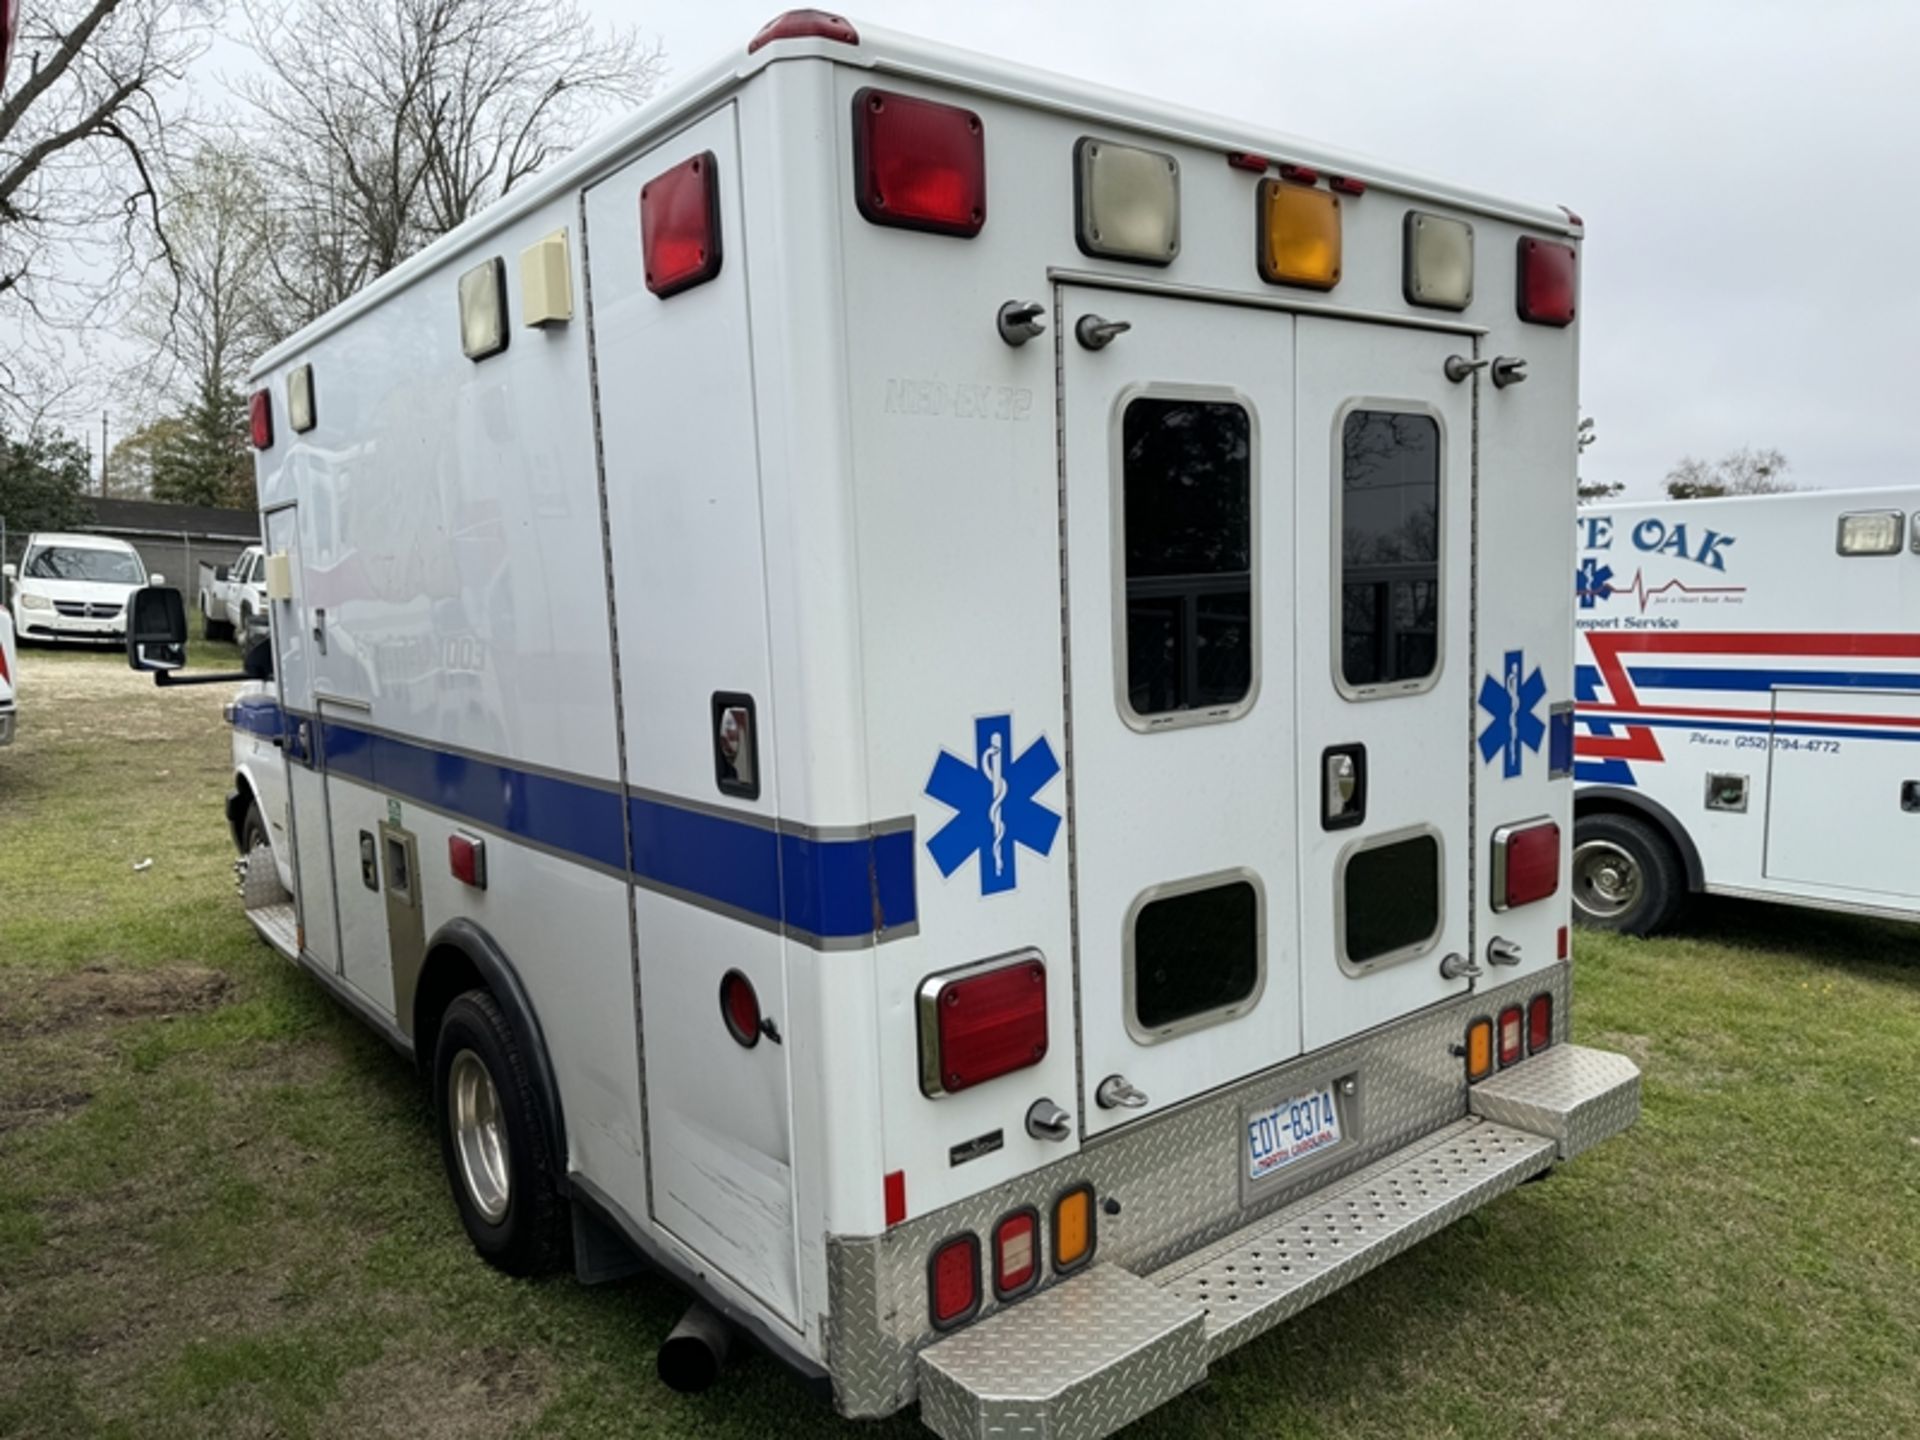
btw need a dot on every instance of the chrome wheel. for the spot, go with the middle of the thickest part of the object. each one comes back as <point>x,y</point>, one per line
<point>1607,880</point>
<point>479,1135</point>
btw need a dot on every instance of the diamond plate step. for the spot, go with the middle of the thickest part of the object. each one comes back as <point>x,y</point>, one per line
<point>1075,1362</point>
<point>1577,1096</point>
<point>278,926</point>
<point>1278,1266</point>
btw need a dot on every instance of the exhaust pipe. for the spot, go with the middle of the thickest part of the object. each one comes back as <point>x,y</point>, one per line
<point>692,1357</point>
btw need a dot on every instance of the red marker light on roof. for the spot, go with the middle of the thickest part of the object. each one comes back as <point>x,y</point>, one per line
<point>1546,274</point>
<point>918,164</point>
<point>1300,174</point>
<point>1247,160</point>
<point>804,25</point>
<point>1346,185</point>
<point>260,419</point>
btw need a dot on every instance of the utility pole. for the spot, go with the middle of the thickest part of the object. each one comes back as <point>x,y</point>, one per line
<point>103,454</point>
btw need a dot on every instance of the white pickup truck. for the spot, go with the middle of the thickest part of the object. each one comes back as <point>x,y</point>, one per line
<point>9,667</point>
<point>233,598</point>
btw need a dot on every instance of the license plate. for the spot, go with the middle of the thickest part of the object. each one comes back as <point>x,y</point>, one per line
<point>1291,1131</point>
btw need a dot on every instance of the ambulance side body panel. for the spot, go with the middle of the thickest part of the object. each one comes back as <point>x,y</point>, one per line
<point>1731,638</point>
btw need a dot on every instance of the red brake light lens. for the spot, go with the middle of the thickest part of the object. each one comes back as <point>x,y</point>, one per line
<point>680,226</point>
<point>1547,272</point>
<point>1526,863</point>
<point>954,1281</point>
<point>260,419</point>
<point>1016,1253</point>
<point>1539,1023</point>
<point>982,1022</point>
<point>740,1008</point>
<point>919,164</point>
<point>804,25</point>
<point>1510,1033</point>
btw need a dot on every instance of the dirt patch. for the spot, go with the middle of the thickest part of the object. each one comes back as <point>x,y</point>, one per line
<point>100,993</point>
<point>39,1107</point>
<point>482,1392</point>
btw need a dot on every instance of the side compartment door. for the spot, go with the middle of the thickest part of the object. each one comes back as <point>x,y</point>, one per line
<point>674,400</point>
<point>1843,792</point>
<point>1179,557</point>
<point>1386,671</point>
<point>306,818</point>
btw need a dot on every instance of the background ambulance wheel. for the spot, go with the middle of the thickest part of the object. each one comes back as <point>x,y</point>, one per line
<point>1625,875</point>
<point>492,1140</point>
<point>253,832</point>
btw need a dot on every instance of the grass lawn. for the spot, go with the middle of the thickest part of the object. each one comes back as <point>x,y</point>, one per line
<point>222,1212</point>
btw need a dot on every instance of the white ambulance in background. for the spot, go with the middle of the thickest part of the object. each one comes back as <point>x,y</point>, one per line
<point>932,697</point>
<point>1749,704</point>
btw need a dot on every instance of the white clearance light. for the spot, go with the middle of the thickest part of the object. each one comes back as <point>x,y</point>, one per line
<point>300,398</point>
<point>1439,261</point>
<point>1128,201</point>
<point>1873,532</point>
<point>483,309</point>
<point>546,282</point>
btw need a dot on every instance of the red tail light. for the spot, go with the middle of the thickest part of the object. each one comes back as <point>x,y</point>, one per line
<point>1547,272</point>
<point>804,25</point>
<point>259,415</point>
<point>919,164</point>
<point>3,666</point>
<point>953,1281</point>
<point>982,1022</point>
<point>1016,1253</point>
<point>1539,1023</point>
<point>1526,863</point>
<point>680,226</point>
<point>1511,1035</point>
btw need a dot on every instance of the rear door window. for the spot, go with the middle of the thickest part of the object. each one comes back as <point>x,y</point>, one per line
<point>1390,600</point>
<point>1187,483</point>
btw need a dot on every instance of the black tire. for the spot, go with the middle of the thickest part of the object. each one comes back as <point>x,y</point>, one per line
<point>214,629</point>
<point>253,831</point>
<point>528,1235</point>
<point>1627,876</point>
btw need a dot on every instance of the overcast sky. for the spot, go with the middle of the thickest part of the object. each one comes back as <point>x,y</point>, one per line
<point>1749,171</point>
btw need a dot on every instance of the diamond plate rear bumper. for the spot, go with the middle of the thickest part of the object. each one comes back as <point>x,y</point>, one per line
<point>1089,1355</point>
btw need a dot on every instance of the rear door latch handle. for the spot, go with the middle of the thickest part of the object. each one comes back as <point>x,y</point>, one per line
<point>1116,1093</point>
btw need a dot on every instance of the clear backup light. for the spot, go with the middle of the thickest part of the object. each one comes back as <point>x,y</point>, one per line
<point>1546,272</point>
<point>982,1021</point>
<point>919,164</point>
<point>300,399</point>
<point>1872,532</point>
<point>1128,201</point>
<point>1526,863</point>
<point>1016,1253</point>
<point>1438,262</point>
<point>1512,1035</point>
<point>680,226</point>
<point>1299,235</point>
<point>483,309</point>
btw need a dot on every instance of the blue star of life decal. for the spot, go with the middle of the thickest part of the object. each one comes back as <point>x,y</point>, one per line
<point>1594,583</point>
<point>993,804</point>
<point>1513,703</point>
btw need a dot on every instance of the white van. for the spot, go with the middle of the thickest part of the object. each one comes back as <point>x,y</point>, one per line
<point>75,587</point>
<point>941,701</point>
<point>1749,704</point>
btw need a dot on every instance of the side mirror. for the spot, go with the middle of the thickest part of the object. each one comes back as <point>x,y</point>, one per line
<point>156,629</point>
<point>258,660</point>
<point>156,578</point>
<point>221,572</point>
<point>9,571</point>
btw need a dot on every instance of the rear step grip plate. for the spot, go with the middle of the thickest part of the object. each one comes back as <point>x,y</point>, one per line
<point>1575,1096</point>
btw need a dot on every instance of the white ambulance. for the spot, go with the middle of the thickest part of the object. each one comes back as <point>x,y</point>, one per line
<point>1748,687</point>
<point>940,700</point>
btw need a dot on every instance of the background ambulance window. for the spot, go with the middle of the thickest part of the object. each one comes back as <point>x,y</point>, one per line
<point>1187,482</point>
<point>1389,547</point>
<point>1195,953</point>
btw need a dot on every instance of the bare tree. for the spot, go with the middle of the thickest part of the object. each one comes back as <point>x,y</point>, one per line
<point>1739,472</point>
<point>389,122</point>
<point>84,130</point>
